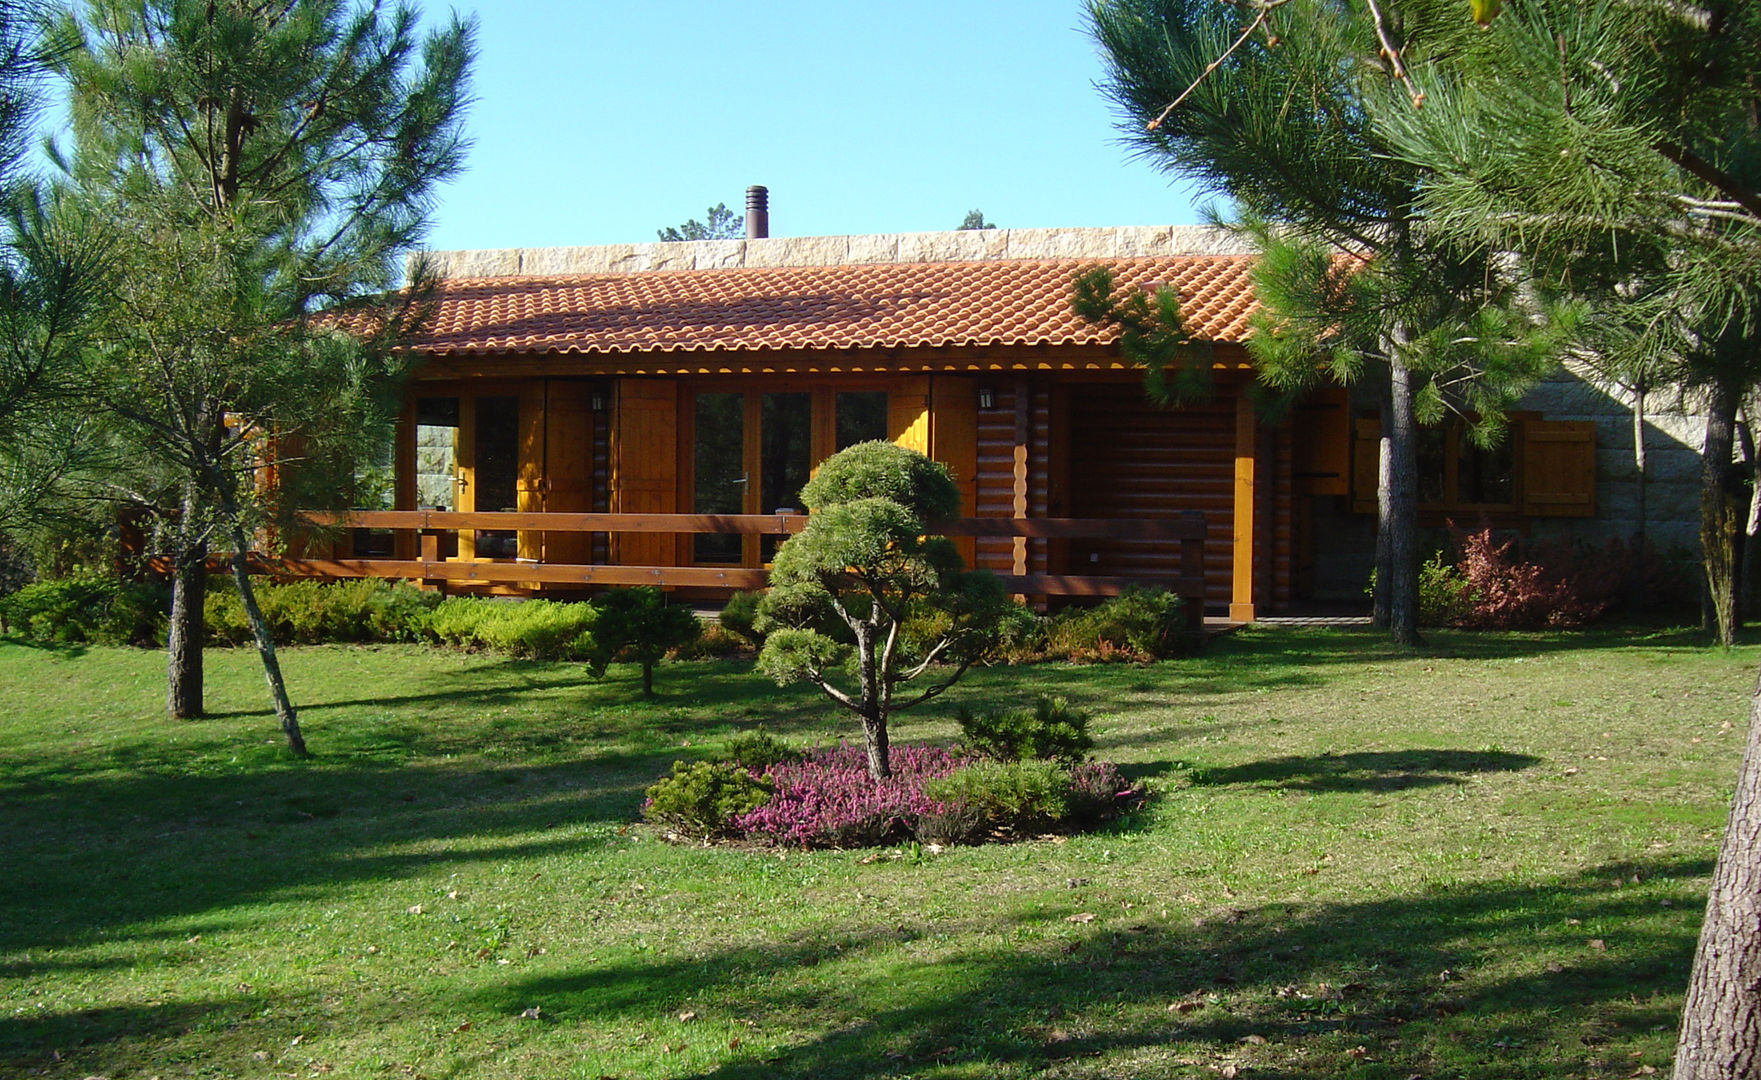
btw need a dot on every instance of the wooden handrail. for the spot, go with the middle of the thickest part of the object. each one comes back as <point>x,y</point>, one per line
<point>1189,525</point>
<point>1184,575</point>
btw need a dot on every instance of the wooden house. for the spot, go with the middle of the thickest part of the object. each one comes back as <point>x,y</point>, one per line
<point>652,398</point>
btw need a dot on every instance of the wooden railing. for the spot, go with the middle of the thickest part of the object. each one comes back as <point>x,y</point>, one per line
<point>1186,561</point>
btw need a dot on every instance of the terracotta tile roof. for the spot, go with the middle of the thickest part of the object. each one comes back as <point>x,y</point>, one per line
<point>888,305</point>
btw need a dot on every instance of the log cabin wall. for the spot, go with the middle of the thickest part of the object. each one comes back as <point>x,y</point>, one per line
<point>1129,458</point>
<point>1014,470</point>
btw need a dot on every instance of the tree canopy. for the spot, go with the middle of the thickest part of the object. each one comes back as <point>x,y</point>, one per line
<point>863,586</point>
<point>251,165</point>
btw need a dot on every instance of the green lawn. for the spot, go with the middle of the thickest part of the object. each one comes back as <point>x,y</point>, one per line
<point>1488,861</point>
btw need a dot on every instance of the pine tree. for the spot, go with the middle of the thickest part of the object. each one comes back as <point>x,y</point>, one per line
<point>1626,138</point>
<point>719,223</point>
<point>50,274</point>
<point>1351,281</point>
<point>255,164</point>
<point>1617,146</point>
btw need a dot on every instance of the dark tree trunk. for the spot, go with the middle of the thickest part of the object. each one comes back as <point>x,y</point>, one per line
<point>1638,597</point>
<point>874,733</point>
<point>647,678</point>
<point>1384,577</point>
<point>1751,504</point>
<point>184,631</point>
<point>1720,518</point>
<point>1400,510</point>
<point>872,708</point>
<point>1721,1018</point>
<point>247,596</point>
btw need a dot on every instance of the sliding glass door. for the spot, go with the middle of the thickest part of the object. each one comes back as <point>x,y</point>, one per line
<point>752,451</point>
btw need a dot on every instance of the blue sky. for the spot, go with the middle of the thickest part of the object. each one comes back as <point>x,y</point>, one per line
<point>600,122</point>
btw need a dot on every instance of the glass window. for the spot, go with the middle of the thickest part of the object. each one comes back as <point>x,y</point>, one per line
<point>1486,474</point>
<point>862,416</point>
<point>497,471</point>
<point>718,471</point>
<point>785,456</point>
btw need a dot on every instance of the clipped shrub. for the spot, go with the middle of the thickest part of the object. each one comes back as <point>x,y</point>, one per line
<point>529,629</point>
<point>757,751</point>
<point>740,616</point>
<point>715,643</point>
<point>1445,597</point>
<point>1138,625</point>
<point>639,625</point>
<point>1049,730</point>
<point>1009,797</point>
<point>87,609</point>
<point>317,612</point>
<point>701,799</point>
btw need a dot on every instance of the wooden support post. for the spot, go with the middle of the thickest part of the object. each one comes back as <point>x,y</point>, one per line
<point>1018,494</point>
<point>1241,602</point>
<point>403,471</point>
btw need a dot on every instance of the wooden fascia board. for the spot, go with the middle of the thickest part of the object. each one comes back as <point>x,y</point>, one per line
<point>947,359</point>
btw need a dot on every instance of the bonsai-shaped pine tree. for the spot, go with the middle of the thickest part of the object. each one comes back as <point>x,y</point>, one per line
<point>862,589</point>
<point>644,627</point>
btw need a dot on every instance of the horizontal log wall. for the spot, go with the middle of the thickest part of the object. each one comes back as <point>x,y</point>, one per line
<point>1130,459</point>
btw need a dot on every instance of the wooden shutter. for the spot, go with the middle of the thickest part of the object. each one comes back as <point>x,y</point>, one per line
<point>645,467</point>
<point>1366,460</point>
<point>1558,468</point>
<point>954,443</point>
<point>1321,438</point>
<point>908,417</point>
<point>568,466</point>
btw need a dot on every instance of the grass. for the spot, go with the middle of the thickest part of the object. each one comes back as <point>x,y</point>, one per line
<point>1483,862</point>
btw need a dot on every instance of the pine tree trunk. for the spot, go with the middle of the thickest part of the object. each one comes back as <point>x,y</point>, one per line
<point>647,678</point>
<point>1721,1018</point>
<point>247,597</point>
<point>1401,510</point>
<point>874,717</point>
<point>1719,517</point>
<point>874,734</point>
<point>1637,598</point>
<point>184,631</point>
<point>1384,579</point>
<point>1746,569</point>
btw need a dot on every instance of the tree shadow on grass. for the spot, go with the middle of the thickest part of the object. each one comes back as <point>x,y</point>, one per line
<point>1455,981</point>
<point>1388,770</point>
<point>177,845</point>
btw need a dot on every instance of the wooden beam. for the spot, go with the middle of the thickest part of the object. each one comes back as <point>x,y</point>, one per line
<point>492,573</point>
<point>1188,525</point>
<point>1087,360</point>
<point>499,572</point>
<point>1241,603</point>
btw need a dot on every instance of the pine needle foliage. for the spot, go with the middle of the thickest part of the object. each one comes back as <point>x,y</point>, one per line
<point>251,165</point>
<point>1353,282</point>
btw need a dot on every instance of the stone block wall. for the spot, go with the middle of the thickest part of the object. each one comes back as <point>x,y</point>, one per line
<point>956,246</point>
<point>1673,436</point>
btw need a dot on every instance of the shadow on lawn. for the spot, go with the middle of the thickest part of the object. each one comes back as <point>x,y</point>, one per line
<point>1449,980</point>
<point>1390,770</point>
<point>177,845</point>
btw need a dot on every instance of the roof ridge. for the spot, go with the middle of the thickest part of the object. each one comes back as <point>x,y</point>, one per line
<point>1001,265</point>
<point>957,246</point>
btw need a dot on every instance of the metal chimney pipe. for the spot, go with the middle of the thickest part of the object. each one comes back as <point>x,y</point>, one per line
<point>757,212</point>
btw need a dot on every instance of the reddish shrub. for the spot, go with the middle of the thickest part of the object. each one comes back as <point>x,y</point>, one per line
<point>1555,587</point>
